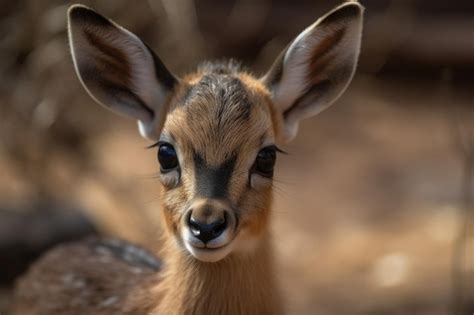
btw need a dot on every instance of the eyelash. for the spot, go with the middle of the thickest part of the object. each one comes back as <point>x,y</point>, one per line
<point>277,149</point>
<point>154,145</point>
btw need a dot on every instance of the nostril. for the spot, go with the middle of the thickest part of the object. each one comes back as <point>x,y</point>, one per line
<point>194,227</point>
<point>219,226</point>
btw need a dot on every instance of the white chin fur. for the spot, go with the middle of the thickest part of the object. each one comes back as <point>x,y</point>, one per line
<point>216,249</point>
<point>208,254</point>
<point>223,245</point>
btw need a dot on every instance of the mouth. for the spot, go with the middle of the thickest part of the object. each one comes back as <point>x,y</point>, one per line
<point>207,254</point>
<point>211,251</point>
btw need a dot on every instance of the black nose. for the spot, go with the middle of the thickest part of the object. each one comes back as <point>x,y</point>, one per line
<point>207,231</point>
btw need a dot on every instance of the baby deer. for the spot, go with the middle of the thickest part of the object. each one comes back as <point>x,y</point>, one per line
<point>216,131</point>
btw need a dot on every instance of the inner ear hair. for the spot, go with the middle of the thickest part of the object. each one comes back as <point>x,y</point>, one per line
<point>119,70</point>
<point>317,66</point>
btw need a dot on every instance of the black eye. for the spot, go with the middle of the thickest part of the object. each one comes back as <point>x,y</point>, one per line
<point>265,161</point>
<point>167,157</point>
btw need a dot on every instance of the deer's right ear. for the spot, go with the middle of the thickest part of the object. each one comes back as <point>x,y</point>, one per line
<point>118,70</point>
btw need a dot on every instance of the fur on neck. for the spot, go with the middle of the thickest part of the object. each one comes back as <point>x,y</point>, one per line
<point>239,284</point>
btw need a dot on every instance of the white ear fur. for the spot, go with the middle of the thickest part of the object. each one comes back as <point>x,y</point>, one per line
<point>317,66</point>
<point>118,70</point>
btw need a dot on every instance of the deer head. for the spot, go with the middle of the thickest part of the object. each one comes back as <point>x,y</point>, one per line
<point>216,129</point>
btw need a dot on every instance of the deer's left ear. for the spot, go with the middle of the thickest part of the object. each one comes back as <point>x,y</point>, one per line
<point>316,67</point>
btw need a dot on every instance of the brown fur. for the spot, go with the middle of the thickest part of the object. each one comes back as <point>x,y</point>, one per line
<point>235,285</point>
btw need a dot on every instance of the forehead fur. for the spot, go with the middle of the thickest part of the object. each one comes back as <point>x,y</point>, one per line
<point>220,111</point>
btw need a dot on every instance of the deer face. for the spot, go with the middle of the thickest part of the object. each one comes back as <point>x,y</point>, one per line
<point>217,129</point>
<point>217,151</point>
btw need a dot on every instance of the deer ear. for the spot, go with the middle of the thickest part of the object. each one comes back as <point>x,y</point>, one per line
<point>118,70</point>
<point>316,67</point>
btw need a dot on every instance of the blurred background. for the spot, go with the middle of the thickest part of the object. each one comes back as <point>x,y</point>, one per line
<point>375,198</point>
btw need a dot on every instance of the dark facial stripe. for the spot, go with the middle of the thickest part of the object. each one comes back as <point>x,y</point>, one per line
<point>213,182</point>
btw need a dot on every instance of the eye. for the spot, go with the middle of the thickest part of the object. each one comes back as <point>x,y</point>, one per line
<point>167,157</point>
<point>266,161</point>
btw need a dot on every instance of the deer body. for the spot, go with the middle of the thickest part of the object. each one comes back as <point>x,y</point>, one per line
<point>216,131</point>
